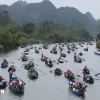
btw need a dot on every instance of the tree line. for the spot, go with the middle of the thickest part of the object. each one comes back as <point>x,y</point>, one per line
<point>13,35</point>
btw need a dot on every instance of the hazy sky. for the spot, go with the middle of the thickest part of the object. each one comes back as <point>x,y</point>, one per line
<point>92,6</point>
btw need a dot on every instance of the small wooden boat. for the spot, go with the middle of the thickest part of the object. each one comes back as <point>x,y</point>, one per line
<point>78,92</point>
<point>68,51</point>
<point>18,89</point>
<point>31,47</point>
<point>90,43</point>
<point>45,46</point>
<point>27,50</point>
<point>97,53</point>
<point>25,53</point>
<point>4,65</point>
<point>49,64</point>
<point>90,80</point>
<point>81,54</point>
<point>3,84</point>
<point>32,74</point>
<point>78,60</point>
<point>24,58</point>
<point>85,49</point>
<point>63,55</point>
<point>22,46</point>
<point>12,68</point>
<point>60,61</point>
<point>58,71</point>
<point>37,51</point>
<point>53,51</point>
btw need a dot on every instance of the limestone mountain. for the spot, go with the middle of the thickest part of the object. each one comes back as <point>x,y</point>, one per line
<point>21,12</point>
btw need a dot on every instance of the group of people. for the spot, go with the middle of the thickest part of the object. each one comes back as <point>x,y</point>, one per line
<point>77,86</point>
<point>16,84</point>
<point>69,74</point>
<point>46,59</point>
<point>25,57</point>
<point>58,71</point>
<point>30,65</point>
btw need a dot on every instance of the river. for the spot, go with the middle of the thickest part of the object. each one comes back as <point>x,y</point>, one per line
<point>50,87</point>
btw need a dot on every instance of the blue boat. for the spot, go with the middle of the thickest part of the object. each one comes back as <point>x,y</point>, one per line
<point>97,53</point>
<point>32,74</point>
<point>78,93</point>
<point>78,60</point>
<point>18,89</point>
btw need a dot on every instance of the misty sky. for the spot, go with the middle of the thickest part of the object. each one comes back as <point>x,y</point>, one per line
<point>92,6</point>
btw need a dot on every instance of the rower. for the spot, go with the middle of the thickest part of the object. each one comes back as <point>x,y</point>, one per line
<point>5,61</point>
<point>75,55</point>
<point>10,75</point>
<point>42,55</point>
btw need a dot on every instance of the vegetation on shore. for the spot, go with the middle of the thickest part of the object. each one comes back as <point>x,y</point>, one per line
<point>12,35</point>
<point>98,41</point>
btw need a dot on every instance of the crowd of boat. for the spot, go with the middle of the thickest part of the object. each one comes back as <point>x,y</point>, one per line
<point>17,85</point>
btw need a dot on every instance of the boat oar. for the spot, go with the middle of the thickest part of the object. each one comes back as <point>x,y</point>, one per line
<point>55,62</point>
<point>81,82</point>
<point>65,60</point>
<point>83,59</point>
<point>97,74</point>
<point>91,70</point>
<point>40,70</point>
<point>51,71</point>
<point>78,75</point>
<point>22,66</point>
<point>20,79</point>
<point>79,69</point>
<point>11,62</point>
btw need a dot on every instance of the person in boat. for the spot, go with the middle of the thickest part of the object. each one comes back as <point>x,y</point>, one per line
<point>45,58</point>
<point>75,55</point>
<point>17,83</point>
<point>31,64</point>
<point>50,61</point>
<point>24,56</point>
<point>85,70</point>
<point>1,79</point>
<point>5,61</point>
<point>77,86</point>
<point>10,75</point>
<point>21,85</point>
<point>12,83</point>
<point>58,70</point>
<point>42,55</point>
<point>69,73</point>
<point>59,59</point>
<point>11,68</point>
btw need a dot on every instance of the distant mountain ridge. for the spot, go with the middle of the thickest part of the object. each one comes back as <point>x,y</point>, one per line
<point>21,12</point>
